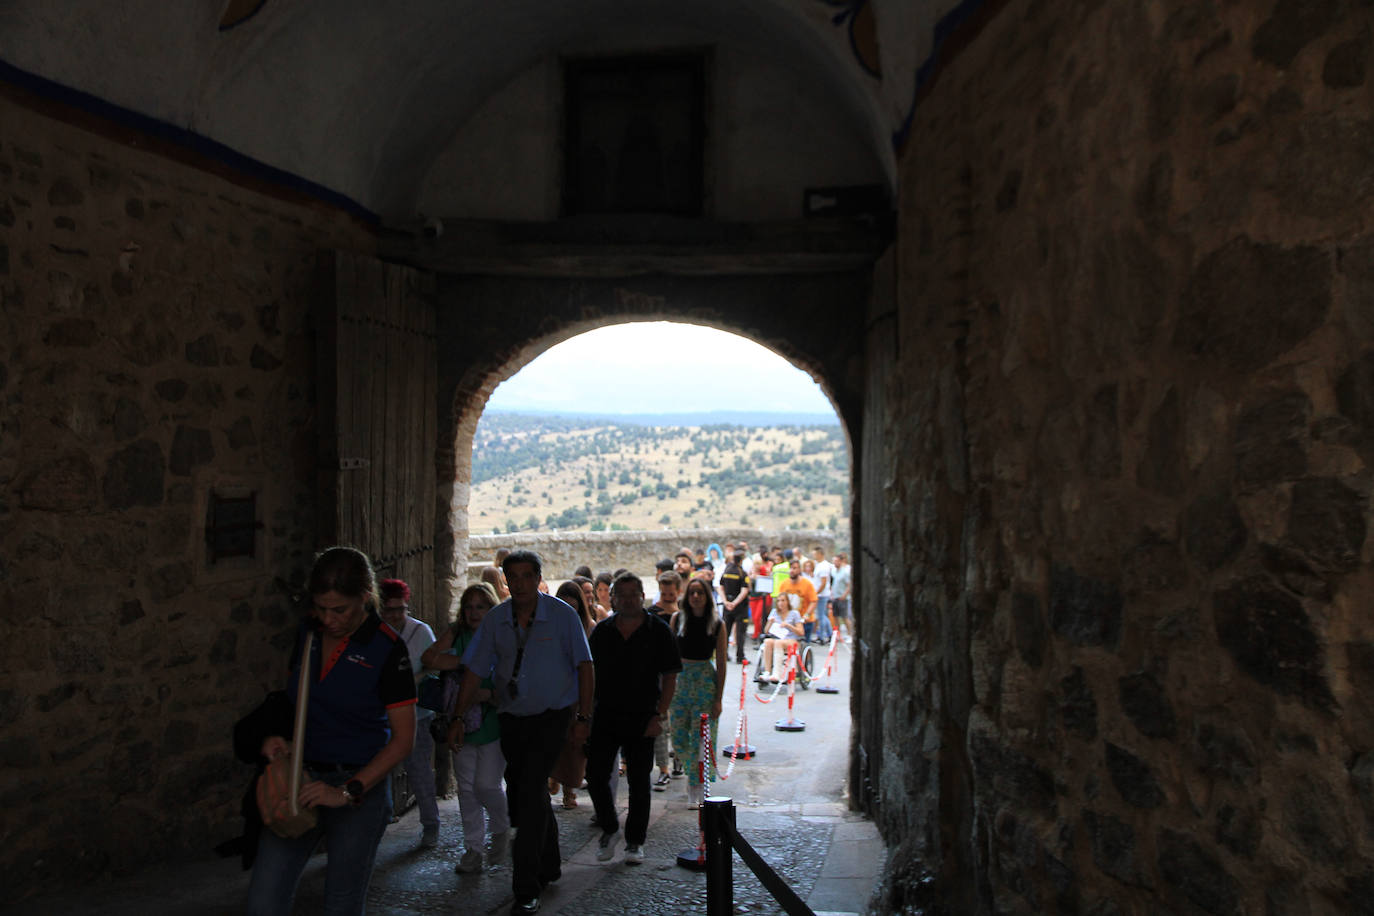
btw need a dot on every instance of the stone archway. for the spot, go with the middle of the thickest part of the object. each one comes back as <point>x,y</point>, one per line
<point>488,327</point>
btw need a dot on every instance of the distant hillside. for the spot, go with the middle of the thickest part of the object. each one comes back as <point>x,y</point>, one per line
<point>565,472</point>
<point>685,418</point>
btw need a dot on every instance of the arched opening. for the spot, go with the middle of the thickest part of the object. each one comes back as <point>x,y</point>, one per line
<point>660,427</point>
<point>476,356</point>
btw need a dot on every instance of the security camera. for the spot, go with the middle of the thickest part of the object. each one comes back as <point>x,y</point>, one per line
<point>434,227</point>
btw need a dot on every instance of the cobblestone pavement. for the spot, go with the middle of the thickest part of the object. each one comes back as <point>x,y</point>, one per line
<point>791,809</point>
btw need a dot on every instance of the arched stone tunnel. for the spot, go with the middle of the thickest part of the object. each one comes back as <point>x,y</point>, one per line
<point>1090,285</point>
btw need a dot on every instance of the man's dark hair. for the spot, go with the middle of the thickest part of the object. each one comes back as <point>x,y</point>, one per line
<point>668,577</point>
<point>624,576</point>
<point>523,556</point>
<point>585,571</point>
<point>605,578</point>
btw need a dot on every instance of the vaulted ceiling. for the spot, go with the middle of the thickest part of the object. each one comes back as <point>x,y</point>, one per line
<point>360,96</point>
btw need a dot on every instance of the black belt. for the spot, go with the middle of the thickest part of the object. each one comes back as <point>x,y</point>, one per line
<point>321,766</point>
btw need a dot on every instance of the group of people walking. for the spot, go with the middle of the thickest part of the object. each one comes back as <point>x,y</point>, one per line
<point>591,683</point>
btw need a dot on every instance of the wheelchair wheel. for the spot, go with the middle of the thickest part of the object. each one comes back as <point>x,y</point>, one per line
<point>806,666</point>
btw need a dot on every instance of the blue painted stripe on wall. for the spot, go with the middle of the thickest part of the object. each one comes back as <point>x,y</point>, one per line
<point>180,137</point>
<point>947,27</point>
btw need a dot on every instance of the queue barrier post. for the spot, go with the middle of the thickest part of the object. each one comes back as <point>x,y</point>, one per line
<point>722,841</point>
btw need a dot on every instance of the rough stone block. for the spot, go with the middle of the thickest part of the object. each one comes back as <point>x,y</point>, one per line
<point>1239,830</point>
<point>1161,466</point>
<point>20,751</point>
<point>1083,610</point>
<point>1355,394</point>
<point>1147,705</point>
<point>1324,170</point>
<point>72,332</point>
<point>1313,818</point>
<point>1193,873</point>
<point>1248,303</point>
<point>166,582</point>
<point>51,699</point>
<point>1078,706</point>
<point>203,351</point>
<point>64,193</point>
<point>1133,778</point>
<point>134,476</point>
<point>1294,571</point>
<point>1222,749</point>
<point>66,484</point>
<point>1029,625</point>
<point>1270,637</point>
<point>128,419</point>
<point>1114,848</point>
<point>241,434</point>
<point>171,389</point>
<point>179,736</point>
<point>260,358</point>
<point>1213,529</point>
<point>1271,441</point>
<point>1326,521</point>
<point>1347,64</point>
<point>190,449</point>
<point>225,648</point>
<point>1292,26</point>
<point>1012,775</point>
<point>130,611</point>
<point>147,344</point>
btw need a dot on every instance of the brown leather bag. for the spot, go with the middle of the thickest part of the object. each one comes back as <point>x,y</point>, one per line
<point>279,785</point>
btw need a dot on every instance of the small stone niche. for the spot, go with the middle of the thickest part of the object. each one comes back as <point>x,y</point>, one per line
<point>232,526</point>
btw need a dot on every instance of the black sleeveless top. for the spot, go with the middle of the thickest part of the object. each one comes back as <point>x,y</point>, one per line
<point>696,643</point>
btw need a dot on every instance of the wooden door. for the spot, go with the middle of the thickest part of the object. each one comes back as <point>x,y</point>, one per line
<point>377,375</point>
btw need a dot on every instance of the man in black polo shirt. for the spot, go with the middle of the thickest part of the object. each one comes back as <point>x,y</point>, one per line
<point>636,662</point>
<point>734,585</point>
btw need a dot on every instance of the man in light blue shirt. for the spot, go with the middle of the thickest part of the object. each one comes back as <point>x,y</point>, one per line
<point>534,649</point>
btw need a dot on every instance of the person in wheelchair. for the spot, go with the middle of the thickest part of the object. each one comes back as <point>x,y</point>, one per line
<point>782,630</point>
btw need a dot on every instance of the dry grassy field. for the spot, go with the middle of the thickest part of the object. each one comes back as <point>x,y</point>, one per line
<point>594,475</point>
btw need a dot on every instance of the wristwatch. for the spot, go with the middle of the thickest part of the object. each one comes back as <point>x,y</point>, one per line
<point>354,790</point>
<point>582,718</point>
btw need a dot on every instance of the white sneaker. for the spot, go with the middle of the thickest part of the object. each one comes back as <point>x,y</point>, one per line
<point>605,850</point>
<point>500,842</point>
<point>634,855</point>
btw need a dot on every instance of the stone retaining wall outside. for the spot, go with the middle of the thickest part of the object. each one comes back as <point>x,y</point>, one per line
<point>637,551</point>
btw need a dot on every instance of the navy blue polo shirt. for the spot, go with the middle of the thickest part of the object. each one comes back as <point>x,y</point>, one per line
<point>629,671</point>
<point>368,674</point>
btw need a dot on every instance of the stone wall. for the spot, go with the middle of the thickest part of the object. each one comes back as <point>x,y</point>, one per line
<point>637,551</point>
<point>1122,592</point>
<point>155,348</point>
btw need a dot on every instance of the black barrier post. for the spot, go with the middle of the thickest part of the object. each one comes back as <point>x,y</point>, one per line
<point>718,815</point>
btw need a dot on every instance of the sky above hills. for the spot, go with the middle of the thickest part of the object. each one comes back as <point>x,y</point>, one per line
<point>657,367</point>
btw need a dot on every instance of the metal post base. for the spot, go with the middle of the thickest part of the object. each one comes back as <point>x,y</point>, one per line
<point>743,752</point>
<point>790,725</point>
<point>827,689</point>
<point>692,858</point>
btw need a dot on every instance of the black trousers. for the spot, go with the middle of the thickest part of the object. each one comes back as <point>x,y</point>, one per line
<point>612,734</point>
<point>738,622</point>
<point>531,745</point>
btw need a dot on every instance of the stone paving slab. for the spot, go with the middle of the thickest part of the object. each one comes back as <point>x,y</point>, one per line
<point>822,856</point>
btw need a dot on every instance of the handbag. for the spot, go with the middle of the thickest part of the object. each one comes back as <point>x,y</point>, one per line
<point>279,786</point>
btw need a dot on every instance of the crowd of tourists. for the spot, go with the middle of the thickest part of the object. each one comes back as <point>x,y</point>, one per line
<point>533,694</point>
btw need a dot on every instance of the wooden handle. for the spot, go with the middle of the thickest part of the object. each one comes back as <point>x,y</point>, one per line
<point>298,733</point>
